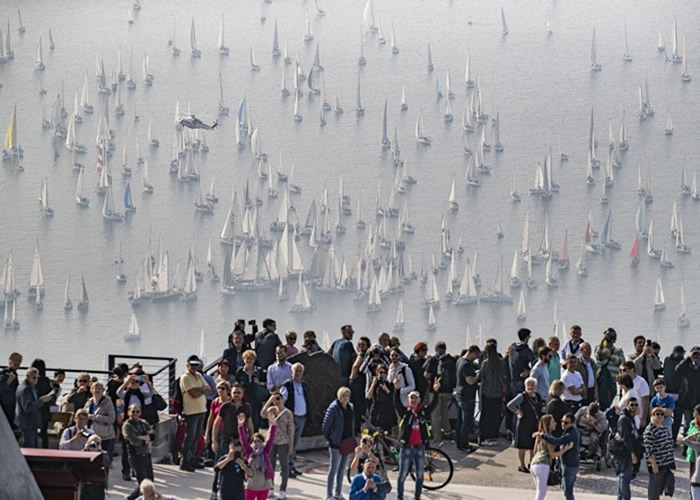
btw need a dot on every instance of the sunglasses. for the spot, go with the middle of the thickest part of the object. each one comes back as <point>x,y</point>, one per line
<point>657,414</point>
<point>221,388</point>
<point>259,441</point>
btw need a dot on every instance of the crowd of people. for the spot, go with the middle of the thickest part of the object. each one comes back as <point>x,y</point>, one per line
<point>557,404</point>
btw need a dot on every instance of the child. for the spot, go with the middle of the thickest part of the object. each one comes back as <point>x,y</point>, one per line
<point>233,470</point>
<point>665,401</point>
<point>258,456</point>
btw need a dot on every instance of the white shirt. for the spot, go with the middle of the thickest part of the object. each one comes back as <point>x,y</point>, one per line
<point>571,379</point>
<point>622,403</point>
<point>641,386</point>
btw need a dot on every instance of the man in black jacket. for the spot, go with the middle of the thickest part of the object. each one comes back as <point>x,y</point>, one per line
<point>414,435</point>
<point>674,381</point>
<point>266,343</point>
<point>689,369</point>
<point>624,459</point>
<point>9,382</point>
<point>296,398</point>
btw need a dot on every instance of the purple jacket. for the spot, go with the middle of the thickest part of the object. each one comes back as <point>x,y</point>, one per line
<point>248,450</point>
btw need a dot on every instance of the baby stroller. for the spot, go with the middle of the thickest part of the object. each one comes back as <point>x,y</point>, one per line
<point>592,448</point>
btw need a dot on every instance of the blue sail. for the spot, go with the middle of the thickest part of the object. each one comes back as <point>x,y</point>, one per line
<point>607,228</point>
<point>127,195</point>
<point>437,88</point>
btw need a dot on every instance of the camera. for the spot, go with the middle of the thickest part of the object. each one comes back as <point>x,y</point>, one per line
<point>85,434</point>
<point>251,322</point>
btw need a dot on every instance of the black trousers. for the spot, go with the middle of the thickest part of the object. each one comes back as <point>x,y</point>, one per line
<point>143,467</point>
<point>491,417</point>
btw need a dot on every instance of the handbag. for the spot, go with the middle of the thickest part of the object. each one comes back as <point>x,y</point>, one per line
<point>554,473</point>
<point>347,446</point>
<point>159,402</point>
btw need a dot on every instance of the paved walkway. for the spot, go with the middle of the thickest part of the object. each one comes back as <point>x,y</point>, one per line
<point>488,474</point>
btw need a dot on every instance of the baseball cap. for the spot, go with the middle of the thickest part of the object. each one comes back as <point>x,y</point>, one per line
<point>194,360</point>
<point>694,349</point>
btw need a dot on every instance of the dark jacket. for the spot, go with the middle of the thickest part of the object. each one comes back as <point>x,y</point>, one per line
<point>691,396</point>
<point>672,378</point>
<point>406,417</point>
<point>28,410</point>
<point>231,355</point>
<point>8,394</point>
<point>333,421</point>
<point>627,433</point>
<point>571,435</point>
<point>519,359</point>
<point>291,395</point>
<point>265,344</point>
<point>416,364</point>
<point>583,370</point>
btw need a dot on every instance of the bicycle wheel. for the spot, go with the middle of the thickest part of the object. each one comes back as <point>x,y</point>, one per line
<point>438,469</point>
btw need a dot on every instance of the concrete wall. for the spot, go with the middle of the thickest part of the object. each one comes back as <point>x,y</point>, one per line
<point>15,477</point>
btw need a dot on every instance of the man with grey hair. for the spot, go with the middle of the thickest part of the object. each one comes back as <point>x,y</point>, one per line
<point>296,398</point>
<point>28,408</point>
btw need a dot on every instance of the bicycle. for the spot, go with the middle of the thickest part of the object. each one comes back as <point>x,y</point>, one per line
<point>437,471</point>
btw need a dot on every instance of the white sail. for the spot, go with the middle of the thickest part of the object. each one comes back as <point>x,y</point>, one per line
<point>134,331</point>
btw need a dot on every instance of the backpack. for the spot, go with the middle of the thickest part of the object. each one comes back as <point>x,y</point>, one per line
<point>176,399</point>
<point>447,371</point>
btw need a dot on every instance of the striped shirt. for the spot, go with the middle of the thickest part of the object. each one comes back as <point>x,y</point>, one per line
<point>658,442</point>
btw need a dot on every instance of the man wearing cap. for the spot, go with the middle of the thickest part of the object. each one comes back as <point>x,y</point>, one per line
<point>689,369</point>
<point>674,381</point>
<point>194,407</point>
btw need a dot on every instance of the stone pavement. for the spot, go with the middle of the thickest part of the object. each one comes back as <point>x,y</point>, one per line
<point>488,474</point>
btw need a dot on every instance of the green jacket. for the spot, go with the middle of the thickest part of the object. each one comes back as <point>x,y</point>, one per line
<point>690,454</point>
<point>131,430</point>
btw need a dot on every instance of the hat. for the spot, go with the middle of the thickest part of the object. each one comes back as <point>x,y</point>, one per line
<point>694,349</point>
<point>194,360</point>
<point>679,349</point>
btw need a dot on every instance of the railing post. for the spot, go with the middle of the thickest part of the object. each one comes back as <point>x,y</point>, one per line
<point>172,374</point>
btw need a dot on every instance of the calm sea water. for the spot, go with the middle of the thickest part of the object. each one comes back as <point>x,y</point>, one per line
<point>541,86</point>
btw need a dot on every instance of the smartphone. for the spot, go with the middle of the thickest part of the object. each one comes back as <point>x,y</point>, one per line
<point>251,322</point>
<point>85,434</point>
<point>140,378</point>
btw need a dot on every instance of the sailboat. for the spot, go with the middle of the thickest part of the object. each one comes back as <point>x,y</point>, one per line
<point>253,65</point>
<point>669,125</point>
<point>681,247</point>
<point>109,212</point>
<point>121,277</point>
<point>550,279</point>
<point>386,144</point>
<point>504,26</point>
<point>44,199</point>
<point>430,59</point>
<point>223,49</point>
<point>685,77</point>
<point>659,300</point>
<point>522,311</point>
<point>595,66</point>
<point>563,263</point>
<point>694,192</point>
<point>432,321</point>
<point>189,290</point>
<point>134,331</point>
<point>394,47</point>
<point>514,191</point>
<point>128,202</point>
<point>626,55</point>
<point>515,281</point>
<point>634,253</point>
<point>550,32</point>
<point>682,320</point>
<point>581,269</point>
<point>84,302</point>
<point>308,36</point>
<point>451,198</point>
<point>297,115</point>
<point>674,43</point>
<point>664,260</point>
<point>302,302</point>
<point>361,61</point>
<point>196,53</point>
<point>174,50</point>
<point>36,278</point>
<point>11,322</point>
<point>420,134</point>
<point>38,57</point>
<point>358,107</point>
<point>496,293</point>
<point>606,233</point>
<point>80,199</point>
<point>67,303</point>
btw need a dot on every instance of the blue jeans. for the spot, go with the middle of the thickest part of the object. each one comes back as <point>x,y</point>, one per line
<point>623,483</point>
<point>465,420</point>
<point>568,479</point>
<point>30,438</point>
<point>299,424</point>
<point>336,471</point>
<point>411,455</point>
<point>108,446</point>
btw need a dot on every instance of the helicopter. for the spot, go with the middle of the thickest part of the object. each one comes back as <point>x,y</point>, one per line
<point>194,122</point>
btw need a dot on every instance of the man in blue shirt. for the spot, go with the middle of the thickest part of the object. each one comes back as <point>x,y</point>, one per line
<point>296,398</point>
<point>279,372</point>
<point>570,459</point>
<point>364,486</point>
<point>343,353</point>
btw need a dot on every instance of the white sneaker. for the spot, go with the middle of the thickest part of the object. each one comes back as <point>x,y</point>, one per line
<point>283,495</point>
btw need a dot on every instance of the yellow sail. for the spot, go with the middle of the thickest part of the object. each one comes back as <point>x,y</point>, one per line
<point>11,136</point>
